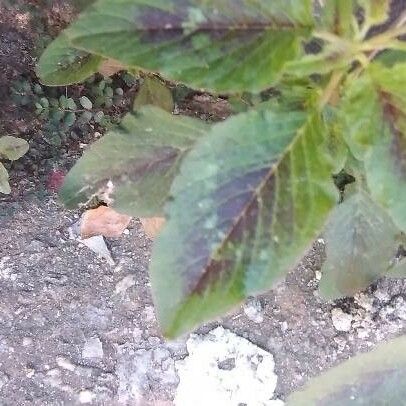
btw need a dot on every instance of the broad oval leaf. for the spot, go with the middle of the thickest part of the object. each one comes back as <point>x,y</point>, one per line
<point>4,185</point>
<point>61,64</point>
<point>374,378</point>
<point>361,242</point>
<point>12,148</point>
<point>218,45</point>
<point>132,167</point>
<point>250,198</point>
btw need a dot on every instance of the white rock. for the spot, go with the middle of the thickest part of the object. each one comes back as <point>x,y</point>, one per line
<point>382,295</point>
<point>365,301</point>
<point>225,369</point>
<point>65,363</point>
<point>124,284</point>
<point>93,348</point>
<point>341,320</point>
<point>27,341</point>
<point>253,310</point>
<point>85,396</point>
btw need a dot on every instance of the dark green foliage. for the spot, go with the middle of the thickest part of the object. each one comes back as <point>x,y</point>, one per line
<point>317,140</point>
<point>64,114</point>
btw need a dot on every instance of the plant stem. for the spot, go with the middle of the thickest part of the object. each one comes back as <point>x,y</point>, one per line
<point>332,85</point>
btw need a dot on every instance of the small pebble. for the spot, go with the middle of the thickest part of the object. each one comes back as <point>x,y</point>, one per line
<point>253,310</point>
<point>341,320</point>
<point>86,396</point>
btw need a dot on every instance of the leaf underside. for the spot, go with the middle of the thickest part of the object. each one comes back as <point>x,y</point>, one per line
<point>61,64</point>
<point>361,242</point>
<point>249,199</point>
<point>218,45</point>
<point>374,378</point>
<point>134,163</point>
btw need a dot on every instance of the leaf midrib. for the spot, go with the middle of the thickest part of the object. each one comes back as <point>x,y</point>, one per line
<point>256,192</point>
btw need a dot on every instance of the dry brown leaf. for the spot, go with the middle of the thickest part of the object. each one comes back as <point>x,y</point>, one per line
<point>152,226</point>
<point>109,67</point>
<point>103,221</point>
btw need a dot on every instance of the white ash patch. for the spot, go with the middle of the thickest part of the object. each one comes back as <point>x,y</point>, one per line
<point>225,369</point>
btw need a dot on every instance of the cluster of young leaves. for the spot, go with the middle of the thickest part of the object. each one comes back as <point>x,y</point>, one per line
<point>245,198</point>
<point>11,148</point>
<point>65,116</point>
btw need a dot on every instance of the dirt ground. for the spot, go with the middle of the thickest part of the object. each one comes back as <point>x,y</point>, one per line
<point>77,330</point>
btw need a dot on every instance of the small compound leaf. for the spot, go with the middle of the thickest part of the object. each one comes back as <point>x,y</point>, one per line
<point>154,92</point>
<point>374,378</point>
<point>250,198</point>
<point>361,242</point>
<point>12,148</point>
<point>61,64</point>
<point>103,221</point>
<point>4,185</point>
<point>223,46</point>
<point>133,166</point>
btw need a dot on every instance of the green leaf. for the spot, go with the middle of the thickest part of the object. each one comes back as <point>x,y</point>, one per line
<point>361,242</point>
<point>386,175</point>
<point>70,104</point>
<point>376,11</point>
<point>391,82</point>
<point>135,163</point>
<point>361,116</point>
<point>4,185</point>
<point>337,17</point>
<point>391,57</point>
<point>13,148</point>
<point>386,162</point>
<point>60,64</point>
<point>219,45</point>
<point>154,92</point>
<point>250,198</point>
<point>374,378</point>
